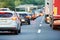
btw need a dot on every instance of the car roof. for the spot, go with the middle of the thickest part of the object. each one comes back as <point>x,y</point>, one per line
<point>23,12</point>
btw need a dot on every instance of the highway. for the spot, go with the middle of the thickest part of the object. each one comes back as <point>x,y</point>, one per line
<point>38,30</point>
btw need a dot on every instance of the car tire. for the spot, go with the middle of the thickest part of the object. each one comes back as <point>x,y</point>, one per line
<point>28,23</point>
<point>19,31</point>
<point>16,32</point>
<point>50,25</point>
<point>54,27</point>
<point>21,24</point>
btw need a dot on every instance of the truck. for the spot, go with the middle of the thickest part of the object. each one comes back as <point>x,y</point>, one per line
<point>52,13</point>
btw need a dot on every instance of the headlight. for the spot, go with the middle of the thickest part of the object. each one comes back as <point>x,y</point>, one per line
<point>22,19</point>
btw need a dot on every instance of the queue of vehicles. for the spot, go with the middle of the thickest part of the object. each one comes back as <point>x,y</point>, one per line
<point>12,20</point>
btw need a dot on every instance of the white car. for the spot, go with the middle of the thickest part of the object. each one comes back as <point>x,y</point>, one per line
<point>5,9</point>
<point>9,21</point>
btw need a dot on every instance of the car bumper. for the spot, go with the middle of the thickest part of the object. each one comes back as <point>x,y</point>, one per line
<point>8,28</point>
<point>57,22</point>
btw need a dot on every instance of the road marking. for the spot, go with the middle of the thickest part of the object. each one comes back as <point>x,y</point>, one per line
<point>40,25</point>
<point>39,31</point>
<point>41,21</point>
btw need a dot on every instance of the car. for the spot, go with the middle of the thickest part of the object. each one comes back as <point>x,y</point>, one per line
<point>25,17</point>
<point>5,9</point>
<point>9,21</point>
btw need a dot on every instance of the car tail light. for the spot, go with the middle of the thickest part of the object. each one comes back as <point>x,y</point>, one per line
<point>55,10</point>
<point>14,18</point>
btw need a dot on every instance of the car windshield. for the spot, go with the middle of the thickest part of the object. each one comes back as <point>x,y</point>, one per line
<point>23,15</point>
<point>4,15</point>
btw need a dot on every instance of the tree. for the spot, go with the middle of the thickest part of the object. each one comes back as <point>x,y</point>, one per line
<point>17,2</point>
<point>35,2</point>
<point>7,3</point>
<point>12,3</point>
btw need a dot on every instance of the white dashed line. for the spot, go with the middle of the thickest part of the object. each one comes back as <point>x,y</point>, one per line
<point>40,25</point>
<point>39,31</point>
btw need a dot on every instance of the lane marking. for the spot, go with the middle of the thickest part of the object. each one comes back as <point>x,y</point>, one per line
<point>41,21</point>
<point>40,25</point>
<point>39,31</point>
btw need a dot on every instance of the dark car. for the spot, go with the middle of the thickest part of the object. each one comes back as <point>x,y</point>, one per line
<point>25,18</point>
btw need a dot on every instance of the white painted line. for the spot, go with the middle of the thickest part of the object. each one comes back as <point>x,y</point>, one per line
<point>39,31</point>
<point>40,25</point>
<point>42,19</point>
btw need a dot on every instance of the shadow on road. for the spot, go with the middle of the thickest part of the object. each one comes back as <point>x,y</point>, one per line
<point>8,34</point>
<point>57,29</point>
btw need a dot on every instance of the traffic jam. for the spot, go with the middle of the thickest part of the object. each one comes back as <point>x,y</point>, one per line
<point>31,22</point>
<point>12,21</point>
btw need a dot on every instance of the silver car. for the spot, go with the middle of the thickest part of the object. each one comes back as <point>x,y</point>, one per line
<point>9,21</point>
<point>5,9</point>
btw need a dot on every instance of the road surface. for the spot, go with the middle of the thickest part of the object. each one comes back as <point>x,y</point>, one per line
<point>38,30</point>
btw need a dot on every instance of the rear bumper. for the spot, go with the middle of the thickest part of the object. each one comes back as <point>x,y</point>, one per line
<point>56,24</point>
<point>8,28</point>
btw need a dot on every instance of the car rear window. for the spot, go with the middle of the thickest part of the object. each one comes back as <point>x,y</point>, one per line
<point>4,15</point>
<point>3,9</point>
<point>23,14</point>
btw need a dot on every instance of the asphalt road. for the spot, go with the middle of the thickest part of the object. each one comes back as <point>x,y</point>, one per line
<point>38,30</point>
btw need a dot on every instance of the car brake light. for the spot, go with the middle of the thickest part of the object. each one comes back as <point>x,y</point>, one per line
<point>14,18</point>
<point>55,10</point>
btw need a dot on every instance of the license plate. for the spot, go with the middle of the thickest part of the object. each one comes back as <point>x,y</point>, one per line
<point>3,21</point>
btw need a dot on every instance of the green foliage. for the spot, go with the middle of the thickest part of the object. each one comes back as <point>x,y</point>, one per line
<point>35,2</point>
<point>12,3</point>
<point>7,3</point>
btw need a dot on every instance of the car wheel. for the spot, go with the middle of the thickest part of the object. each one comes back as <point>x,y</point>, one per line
<point>21,24</point>
<point>16,32</point>
<point>28,23</point>
<point>19,31</point>
<point>50,25</point>
<point>54,27</point>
